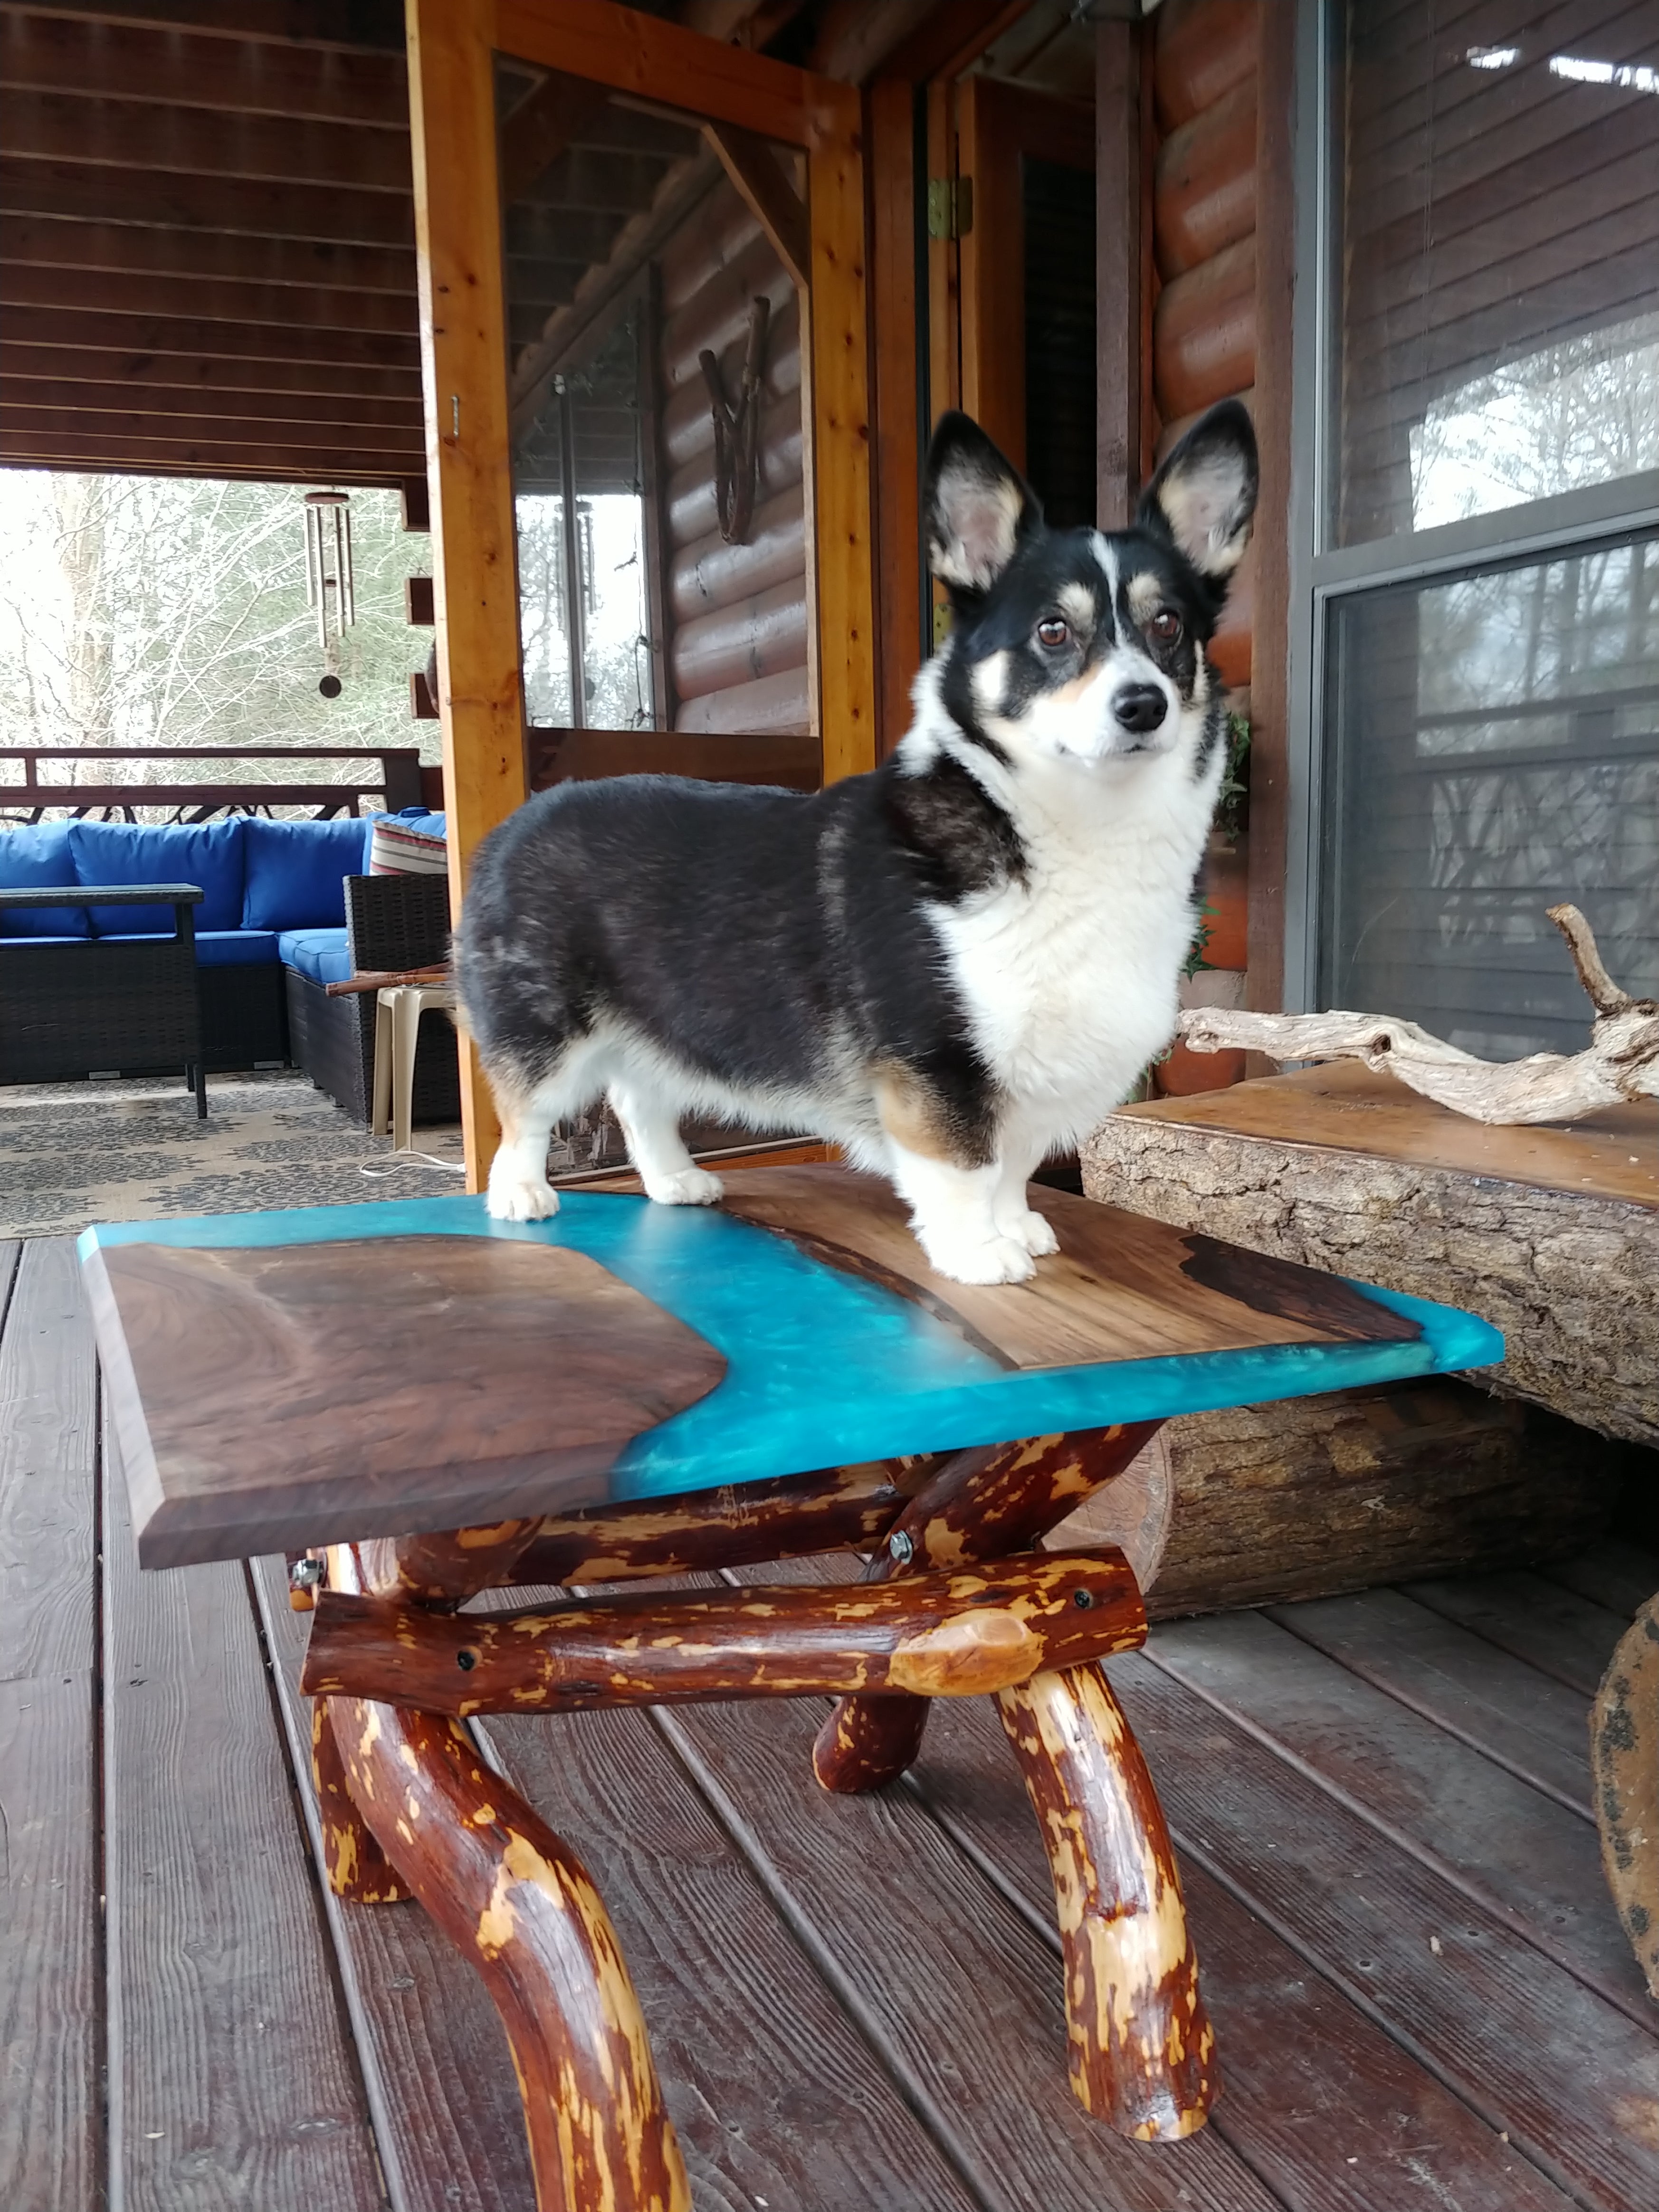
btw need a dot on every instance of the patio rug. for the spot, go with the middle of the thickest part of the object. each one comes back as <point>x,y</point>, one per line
<point>72,1153</point>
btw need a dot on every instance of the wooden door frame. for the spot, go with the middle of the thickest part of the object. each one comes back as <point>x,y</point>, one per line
<point>465,377</point>
<point>997,123</point>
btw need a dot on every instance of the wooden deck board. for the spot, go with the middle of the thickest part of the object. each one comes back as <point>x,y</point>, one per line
<point>1517,2038</point>
<point>1486,1697</point>
<point>965,1994</point>
<point>1619,1577</point>
<point>1507,1846</point>
<point>775,2094</point>
<point>1568,1638</point>
<point>233,2078</point>
<point>1350,1784</point>
<point>1323,2101</point>
<point>51,1984</point>
<point>435,2062</point>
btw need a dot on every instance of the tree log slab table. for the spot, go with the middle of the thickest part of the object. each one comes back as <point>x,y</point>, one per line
<point>1551,1233</point>
<point>421,1405</point>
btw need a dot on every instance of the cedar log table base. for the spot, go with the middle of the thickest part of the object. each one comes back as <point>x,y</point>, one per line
<point>956,1602</point>
<point>521,1907</point>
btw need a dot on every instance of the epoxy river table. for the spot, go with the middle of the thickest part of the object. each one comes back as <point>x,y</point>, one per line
<point>419,1404</point>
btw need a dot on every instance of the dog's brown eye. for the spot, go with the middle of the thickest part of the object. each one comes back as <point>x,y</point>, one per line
<point>1165,626</point>
<point>1053,632</point>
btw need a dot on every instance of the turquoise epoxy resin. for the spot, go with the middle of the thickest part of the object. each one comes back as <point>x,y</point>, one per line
<point>826,1369</point>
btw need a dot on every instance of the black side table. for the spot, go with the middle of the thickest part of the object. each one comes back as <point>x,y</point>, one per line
<point>75,1005</point>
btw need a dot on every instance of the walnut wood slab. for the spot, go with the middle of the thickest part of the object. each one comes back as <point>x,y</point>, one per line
<point>377,1388</point>
<point>1121,1288</point>
<point>936,1635</point>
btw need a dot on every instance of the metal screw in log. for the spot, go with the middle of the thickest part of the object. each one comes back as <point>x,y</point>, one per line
<point>933,1636</point>
<point>1621,1062</point>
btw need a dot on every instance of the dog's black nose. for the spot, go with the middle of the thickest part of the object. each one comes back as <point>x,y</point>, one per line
<point>1140,707</point>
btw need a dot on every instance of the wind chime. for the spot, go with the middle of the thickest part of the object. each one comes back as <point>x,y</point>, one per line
<point>330,592</point>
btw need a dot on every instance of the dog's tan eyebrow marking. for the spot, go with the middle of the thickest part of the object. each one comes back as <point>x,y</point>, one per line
<point>1145,596</point>
<point>1077,602</point>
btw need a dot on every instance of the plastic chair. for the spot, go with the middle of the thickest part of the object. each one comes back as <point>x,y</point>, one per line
<point>397,1011</point>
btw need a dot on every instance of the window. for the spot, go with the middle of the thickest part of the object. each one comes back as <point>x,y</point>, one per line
<point>1478,653</point>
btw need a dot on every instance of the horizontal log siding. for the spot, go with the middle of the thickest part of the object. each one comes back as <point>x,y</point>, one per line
<point>1204,212</point>
<point>736,615</point>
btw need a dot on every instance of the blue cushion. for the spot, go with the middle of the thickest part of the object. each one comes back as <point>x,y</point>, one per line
<point>320,954</point>
<point>296,872</point>
<point>36,856</point>
<point>208,853</point>
<point>217,948</point>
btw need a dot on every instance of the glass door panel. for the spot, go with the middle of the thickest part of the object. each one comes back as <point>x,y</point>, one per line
<point>663,511</point>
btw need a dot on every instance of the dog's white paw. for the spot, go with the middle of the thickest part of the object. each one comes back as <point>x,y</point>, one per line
<point>993,1260</point>
<point>515,1196</point>
<point>689,1187</point>
<point>1034,1231</point>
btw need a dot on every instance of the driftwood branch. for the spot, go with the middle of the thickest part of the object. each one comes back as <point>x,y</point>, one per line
<point>1621,1062</point>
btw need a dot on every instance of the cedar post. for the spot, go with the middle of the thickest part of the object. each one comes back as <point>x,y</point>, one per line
<point>457,240</point>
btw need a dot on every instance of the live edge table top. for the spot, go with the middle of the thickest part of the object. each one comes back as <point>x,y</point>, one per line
<point>289,1379</point>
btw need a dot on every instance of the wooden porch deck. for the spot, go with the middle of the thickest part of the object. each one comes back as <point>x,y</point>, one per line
<point>1381,1803</point>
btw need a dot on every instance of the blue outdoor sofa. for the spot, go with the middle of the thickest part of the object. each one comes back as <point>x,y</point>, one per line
<point>285,909</point>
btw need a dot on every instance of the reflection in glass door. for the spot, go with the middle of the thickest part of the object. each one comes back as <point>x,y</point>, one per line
<point>662,512</point>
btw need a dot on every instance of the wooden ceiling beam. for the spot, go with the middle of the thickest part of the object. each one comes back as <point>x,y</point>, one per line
<point>104,291</point>
<point>45,242</point>
<point>270,463</point>
<point>126,134</point>
<point>914,42</point>
<point>538,234</point>
<point>41,52</point>
<point>401,449</point>
<point>87,367</point>
<point>326,25</point>
<point>543,126</point>
<point>321,212</point>
<point>158,334</point>
<point>202,404</point>
<point>593,180</point>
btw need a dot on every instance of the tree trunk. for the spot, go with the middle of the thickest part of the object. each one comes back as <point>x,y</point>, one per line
<point>1262,1504</point>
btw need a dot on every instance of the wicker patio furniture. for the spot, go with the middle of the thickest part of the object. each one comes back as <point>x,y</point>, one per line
<point>73,1006</point>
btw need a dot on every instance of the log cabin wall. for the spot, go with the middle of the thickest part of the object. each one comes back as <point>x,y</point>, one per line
<point>737,616</point>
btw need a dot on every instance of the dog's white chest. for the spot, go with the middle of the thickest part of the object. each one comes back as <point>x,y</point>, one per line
<point>1069,979</point>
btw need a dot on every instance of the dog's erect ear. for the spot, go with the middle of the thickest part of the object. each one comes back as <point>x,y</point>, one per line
<point>976,508</point>
<point>1204,495</point>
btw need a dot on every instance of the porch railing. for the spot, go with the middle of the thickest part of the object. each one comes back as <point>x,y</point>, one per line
<point>396,782</point>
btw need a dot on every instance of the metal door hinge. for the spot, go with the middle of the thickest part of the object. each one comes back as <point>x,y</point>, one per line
<point>941,622</point>
<point>950,207</point>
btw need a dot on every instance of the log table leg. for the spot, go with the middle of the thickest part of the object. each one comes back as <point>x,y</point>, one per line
<point>519,1904</point>
<point>1140,2041</point>
<point>979,1505</point>
<point>867,1742</point>
<point>358,1870</point>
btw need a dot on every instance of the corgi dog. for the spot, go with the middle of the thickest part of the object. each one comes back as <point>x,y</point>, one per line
<point>951,967</point>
